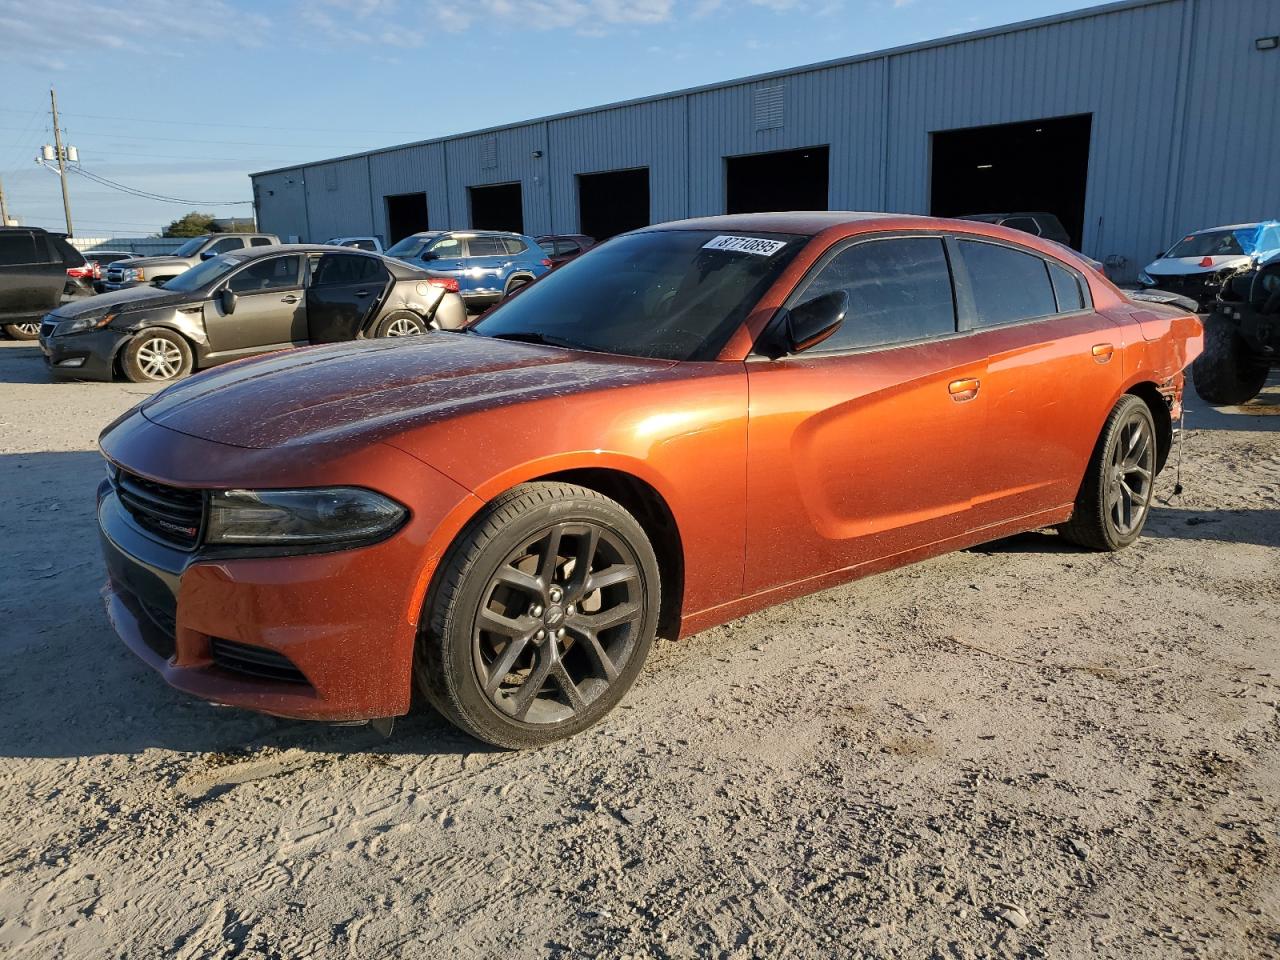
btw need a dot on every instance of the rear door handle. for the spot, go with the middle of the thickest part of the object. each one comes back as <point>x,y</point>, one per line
<point>290,299</point>
<point>1102,352</point>
<point>362,293</point>
<point>962,390</point>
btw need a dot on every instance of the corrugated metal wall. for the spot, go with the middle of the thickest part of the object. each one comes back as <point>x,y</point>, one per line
<point>1185,131</point>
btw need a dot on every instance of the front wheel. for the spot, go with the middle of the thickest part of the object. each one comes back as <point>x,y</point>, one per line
<point>545,611</point>
<point>156,355</point>
<point>403,323</point>
<point>1115,498</point>
<point>22,331</point>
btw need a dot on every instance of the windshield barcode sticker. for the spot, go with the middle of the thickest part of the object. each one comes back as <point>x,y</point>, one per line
<point>761,248</point>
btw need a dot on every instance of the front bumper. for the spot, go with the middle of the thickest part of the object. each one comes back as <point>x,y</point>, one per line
<point>109,285</point>
<point>82,356</point>
<point>345,622</point>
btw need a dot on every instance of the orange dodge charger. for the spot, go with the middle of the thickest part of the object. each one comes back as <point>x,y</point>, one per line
<point>686,424</point>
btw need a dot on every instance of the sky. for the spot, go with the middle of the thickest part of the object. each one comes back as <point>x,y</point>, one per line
<point>184,100</point>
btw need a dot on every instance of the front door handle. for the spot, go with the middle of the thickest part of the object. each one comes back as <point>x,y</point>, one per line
<point>1102,352</point>
<point>962,390</point>
<point>362,293</point>
<point>290,299</point>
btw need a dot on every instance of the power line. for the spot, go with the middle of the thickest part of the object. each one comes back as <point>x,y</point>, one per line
<point>233,143</point>
<point>243,126</point>
<point>146,195</point>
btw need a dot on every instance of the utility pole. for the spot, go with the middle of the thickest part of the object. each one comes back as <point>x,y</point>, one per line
<point>62,159</point>
<point>4,211</point>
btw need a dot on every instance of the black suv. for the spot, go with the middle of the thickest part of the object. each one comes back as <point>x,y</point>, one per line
<point>33,273</point>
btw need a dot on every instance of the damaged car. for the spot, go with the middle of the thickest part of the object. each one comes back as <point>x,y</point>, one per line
<point>686,424</point>
<point>1241,337</point>
<point>1201,263</point>
<point>239,304</point>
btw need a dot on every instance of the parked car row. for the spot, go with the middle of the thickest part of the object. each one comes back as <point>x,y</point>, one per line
<point>255,299</point>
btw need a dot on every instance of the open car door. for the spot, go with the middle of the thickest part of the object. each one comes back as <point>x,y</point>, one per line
<point>344,291</point>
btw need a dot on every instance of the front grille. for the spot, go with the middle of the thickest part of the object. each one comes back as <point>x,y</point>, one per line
<point>1200,287</point>
<point>254,661</point>
<point>115,274</point>
<point>173,514</point>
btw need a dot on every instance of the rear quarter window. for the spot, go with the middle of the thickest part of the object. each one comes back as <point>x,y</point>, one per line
<point>1066,288</point>
<point>1008,285</point>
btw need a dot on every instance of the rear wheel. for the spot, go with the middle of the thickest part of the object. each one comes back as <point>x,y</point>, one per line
<point>403,323</point>
<point>156,355</point>
<point>22,331</point>
<point>515,284</point>
<point>1225,374</point>
<point>545,612</point>
<point>1115,498</point>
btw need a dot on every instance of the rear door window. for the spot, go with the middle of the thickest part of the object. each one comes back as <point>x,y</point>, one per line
<point>18,247</point>
<point>899,290</point>
<point>486,247</point>
<point>1008,285</point>
<point>335,268</point>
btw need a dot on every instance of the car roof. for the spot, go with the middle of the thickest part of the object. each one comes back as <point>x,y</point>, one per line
<point>805,222</point>
<point>1232,226</point>
<point>466,233</point>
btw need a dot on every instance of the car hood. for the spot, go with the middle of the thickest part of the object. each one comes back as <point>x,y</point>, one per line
<point>373,390</point>
<point>121,301</point>
<point>151,262</point>
<point>1188,266</point>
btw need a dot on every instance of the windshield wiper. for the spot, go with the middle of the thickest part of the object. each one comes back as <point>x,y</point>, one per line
<point>538,338</point>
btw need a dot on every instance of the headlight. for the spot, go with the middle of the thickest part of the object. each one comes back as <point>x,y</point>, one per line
<point>83,324</point>
<point>1144,277</point>
<point>321,515</point>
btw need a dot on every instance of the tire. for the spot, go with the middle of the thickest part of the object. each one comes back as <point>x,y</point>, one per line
<point>156,355</point>
<point>514,284</point>
<point>1225,374</point>
<point>496,574</point>
<point>1115,498</point>
<point>22,331</point>
<point>402,323</point>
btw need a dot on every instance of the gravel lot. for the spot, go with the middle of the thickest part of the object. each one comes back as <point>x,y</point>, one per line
<point>1020,750</point>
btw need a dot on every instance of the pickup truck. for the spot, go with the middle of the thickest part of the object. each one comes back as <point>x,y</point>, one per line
<point>153,270</point>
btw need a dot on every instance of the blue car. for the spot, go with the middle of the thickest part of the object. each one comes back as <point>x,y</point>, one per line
<point>483,266</point>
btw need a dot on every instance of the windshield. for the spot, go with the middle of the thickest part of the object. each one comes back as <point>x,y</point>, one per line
<point>202,274</point>
<point>189,248</point>
<point>1219,243</point>
<point>410,246</point>
<point>675,295</point>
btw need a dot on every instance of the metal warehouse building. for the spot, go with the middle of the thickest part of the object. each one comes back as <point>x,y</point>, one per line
<point>1133,122</point>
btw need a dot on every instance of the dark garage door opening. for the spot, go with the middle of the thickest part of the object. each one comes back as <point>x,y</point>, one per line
<point>1041,165</point>
<point>406,215</point>
<point>782,180</point>
<point>613,203</point>
<point>499,207</point>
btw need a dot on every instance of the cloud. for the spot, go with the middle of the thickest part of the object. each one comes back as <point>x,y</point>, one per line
<point>38,34</point>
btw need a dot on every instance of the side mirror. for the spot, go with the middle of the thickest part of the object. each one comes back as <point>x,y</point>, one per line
<point>814,320</point>
<point>227,300</point>
<point>208,254</point>
<point>428,255</point>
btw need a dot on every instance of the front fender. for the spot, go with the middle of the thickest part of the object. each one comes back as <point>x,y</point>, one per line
<point>179,320</point>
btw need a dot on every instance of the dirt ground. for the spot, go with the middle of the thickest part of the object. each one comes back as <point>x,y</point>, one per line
<point>1021,750</point>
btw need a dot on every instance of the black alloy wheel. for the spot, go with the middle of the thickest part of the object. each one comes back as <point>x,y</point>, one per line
<point>544,611</point>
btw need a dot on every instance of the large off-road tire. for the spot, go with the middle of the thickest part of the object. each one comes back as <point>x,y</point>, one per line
<point>401,323</point>
<point>541,618</point>
<point>22,331</point>
<point>156,355</point>
<point>1225,374</point>
<point>1115,497</point>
